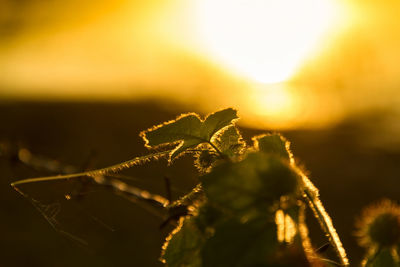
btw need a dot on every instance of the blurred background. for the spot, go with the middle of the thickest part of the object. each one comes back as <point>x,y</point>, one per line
<point>80,79</point>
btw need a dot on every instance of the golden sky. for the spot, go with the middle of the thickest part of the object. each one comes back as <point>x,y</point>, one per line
<point>281,63</point>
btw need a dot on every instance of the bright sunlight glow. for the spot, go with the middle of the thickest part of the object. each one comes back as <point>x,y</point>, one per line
<point>274,100</point>
<point>265,40</point>
<point>274,104</point>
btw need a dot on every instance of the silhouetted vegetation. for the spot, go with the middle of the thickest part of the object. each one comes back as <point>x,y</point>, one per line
<point>248,208</point>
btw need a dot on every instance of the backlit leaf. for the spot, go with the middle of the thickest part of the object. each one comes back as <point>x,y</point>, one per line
<point>218,120</point>
<point>183,246</point>
<point>241,244</point>
<point>249,187</point>
<point>188,130</point>
<point>383,258</point>
<point>230,142</point>
<point>274,144</point>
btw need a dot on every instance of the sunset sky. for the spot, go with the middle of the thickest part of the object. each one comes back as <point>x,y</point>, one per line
<point>282,63</point>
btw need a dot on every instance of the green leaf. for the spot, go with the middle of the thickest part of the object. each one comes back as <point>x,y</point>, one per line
<point>241,244</point>
<point>274,144</point>
<point>230,142</point>
<point>191,198</point>
<point>253,243</point>
<point>235,187</point>
<point>383,258</point>
<point>188,130</point>
<point>218,120</point>
<point>208,217</point>
<point>183,246</point>
<point>250,187</point>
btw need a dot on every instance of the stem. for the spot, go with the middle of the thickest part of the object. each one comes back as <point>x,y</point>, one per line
<point>312,196</point>
<point>222,155</point>
<point>92,173</point>
<point>132,191</point>
<point>216,148</point>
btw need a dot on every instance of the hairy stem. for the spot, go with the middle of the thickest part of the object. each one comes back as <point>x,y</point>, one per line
<point>92,173</point>
<point>311,194</point>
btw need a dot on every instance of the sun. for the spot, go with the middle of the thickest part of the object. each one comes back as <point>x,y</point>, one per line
<point>265,40</point>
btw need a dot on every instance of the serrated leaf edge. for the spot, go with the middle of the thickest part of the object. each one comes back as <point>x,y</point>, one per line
<point>142,134</point>
<point>180,143</point>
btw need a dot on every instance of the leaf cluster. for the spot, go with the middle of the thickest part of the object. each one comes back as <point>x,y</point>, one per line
<point>249,206</point>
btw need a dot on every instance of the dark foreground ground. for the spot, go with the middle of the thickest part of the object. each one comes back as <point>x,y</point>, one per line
<point>349,169</point>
